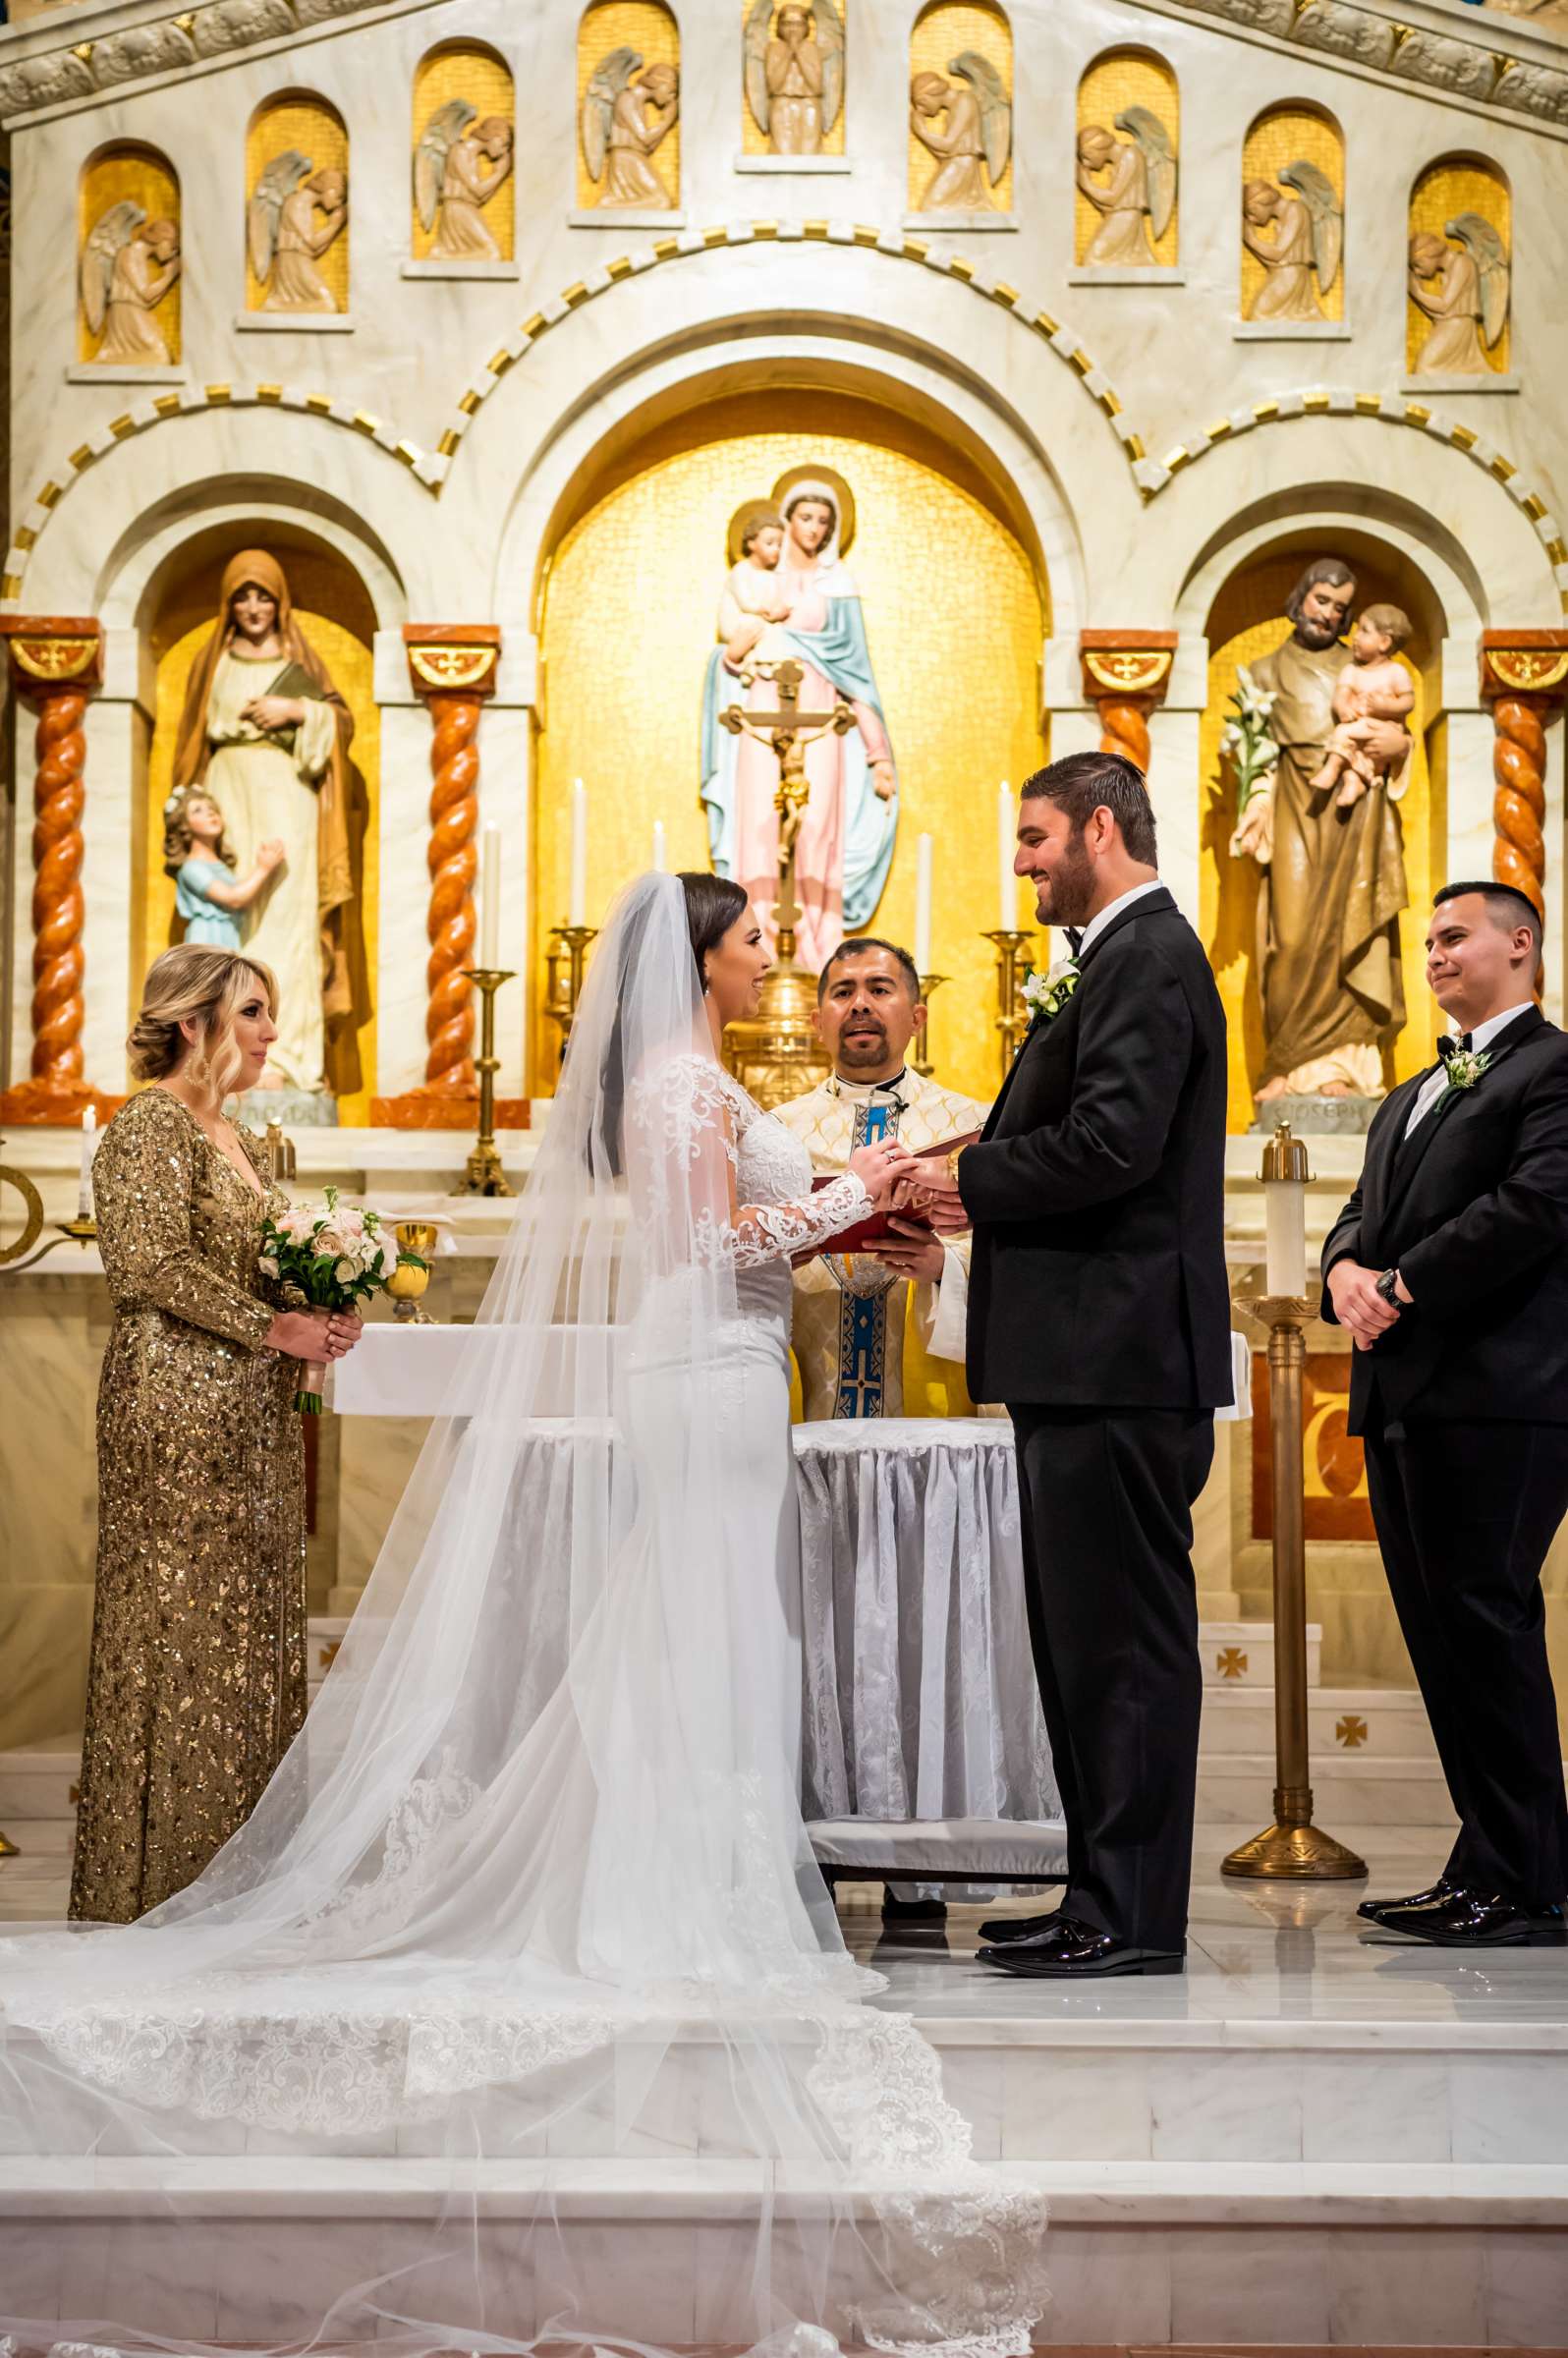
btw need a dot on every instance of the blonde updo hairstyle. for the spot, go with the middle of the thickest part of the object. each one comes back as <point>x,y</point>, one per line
<point>195,983</point>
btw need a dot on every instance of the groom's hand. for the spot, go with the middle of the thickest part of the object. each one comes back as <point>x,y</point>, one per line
<point>912,1252</point>
<point>1358,1305</point>
<point>940,1203</point>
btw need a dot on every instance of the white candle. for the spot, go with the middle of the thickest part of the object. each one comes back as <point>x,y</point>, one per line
<point>90,1147</point>
<point>1285,1214</point>
<point>1006,853</point>
<point>576,899</point>
<point>661,857</point>
<point>923,906</point>
<point>491,894</point>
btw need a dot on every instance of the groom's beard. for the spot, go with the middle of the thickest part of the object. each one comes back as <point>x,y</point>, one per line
<point>1064,896</point>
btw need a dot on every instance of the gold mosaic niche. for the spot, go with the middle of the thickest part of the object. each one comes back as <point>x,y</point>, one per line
<point>463,70</point>
<point>753,139</point>
<point>1124,78</point>
<point>1248,621</point>
<point>1275,140</point>
<point>955,615</point>
<point>127,170</point>
<point>1458,184</point>
<point>940,34</point>
<point>321,588</point>
<point>651,30</point>
<point>297,120</point>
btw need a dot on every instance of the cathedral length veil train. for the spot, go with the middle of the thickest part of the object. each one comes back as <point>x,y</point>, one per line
<point>533,1890</point>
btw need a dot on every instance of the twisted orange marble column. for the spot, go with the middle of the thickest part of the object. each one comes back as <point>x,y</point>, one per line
<point>453,671</point>
<point>54,666</point>
<point>1125,674</point>
<point>1524,677</point>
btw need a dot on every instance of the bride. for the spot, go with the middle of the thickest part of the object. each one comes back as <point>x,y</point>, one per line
<point>533,1890</point>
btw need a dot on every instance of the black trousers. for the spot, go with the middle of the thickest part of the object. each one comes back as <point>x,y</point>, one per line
<point>1465,1514</point>
<point>1107,1529</point>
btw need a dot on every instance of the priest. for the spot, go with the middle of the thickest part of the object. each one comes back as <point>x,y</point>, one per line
<point>879,1334</point>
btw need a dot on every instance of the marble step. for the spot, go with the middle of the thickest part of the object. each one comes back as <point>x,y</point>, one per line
<point>39,1783</point>
<point>1236,1788</point>
<point>1355,1722</point>
<point>1241,1654</point>
<point>244,2250</point>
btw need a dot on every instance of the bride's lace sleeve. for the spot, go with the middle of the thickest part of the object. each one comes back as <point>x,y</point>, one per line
<point>681,1170</point>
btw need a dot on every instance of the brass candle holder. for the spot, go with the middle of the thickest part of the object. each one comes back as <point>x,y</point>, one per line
<point>1011,1018</point>
<point>563,972</point>
<point>483,1175</point>
<point>1291,1849</point>
<point>84,1230</point>
<point>922,1045</point>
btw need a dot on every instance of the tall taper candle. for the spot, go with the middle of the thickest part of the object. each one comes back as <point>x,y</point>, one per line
<point>923,906</point>
<point>491,894</point>
<point>1006,853</point>
<point>661,854</point>
<point>90,1147</point>
<point>576,899</point>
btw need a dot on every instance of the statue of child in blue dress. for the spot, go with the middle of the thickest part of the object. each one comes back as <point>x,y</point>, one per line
<point>206,892</point>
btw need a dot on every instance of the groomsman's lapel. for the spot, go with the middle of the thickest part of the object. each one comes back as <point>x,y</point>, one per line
<point>1153,904</point>
<point>1397,1171</point>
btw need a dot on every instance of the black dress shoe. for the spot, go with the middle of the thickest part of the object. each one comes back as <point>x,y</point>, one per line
<point>1478,1920</point>
<point>1002,1928</point>
<point>1071,1951</point>
<point>913,1911</point>
<point>1440,1892</point>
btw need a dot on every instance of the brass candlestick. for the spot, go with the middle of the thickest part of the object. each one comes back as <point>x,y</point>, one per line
<point>563,970</point>
<point>1292,1849</point>
<point>483,1175</point>
<point>83,1228</point>
<point>1009,1021</point>
<point>922,1045</point>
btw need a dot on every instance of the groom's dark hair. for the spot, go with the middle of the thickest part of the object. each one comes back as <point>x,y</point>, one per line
<point>1506,905</point>
<point>1083,783</point>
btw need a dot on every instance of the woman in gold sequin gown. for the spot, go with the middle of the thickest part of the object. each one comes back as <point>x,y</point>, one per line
<point>198,1683</point>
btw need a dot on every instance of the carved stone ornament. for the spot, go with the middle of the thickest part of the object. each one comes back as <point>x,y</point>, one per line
<point>1443,64</point>
<point>234,23</point>
<point>1346,31</point>
<point>44,82</point>
<point>1128,670</point>
<point>447,666</point>
<point>142,49</point>
<point>1527,670</point>
<point>1266,16</point>
<point>52,660</point>
<point>1534,90</point>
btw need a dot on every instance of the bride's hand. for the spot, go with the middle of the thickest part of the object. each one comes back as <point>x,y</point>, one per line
<point>879,1167</point>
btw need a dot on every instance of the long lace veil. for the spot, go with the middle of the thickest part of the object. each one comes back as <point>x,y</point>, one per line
<point>530,1896</point>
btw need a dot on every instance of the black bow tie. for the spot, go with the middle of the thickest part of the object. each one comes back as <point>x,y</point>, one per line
<point>1074,939</point>
<point>1447,1046</point>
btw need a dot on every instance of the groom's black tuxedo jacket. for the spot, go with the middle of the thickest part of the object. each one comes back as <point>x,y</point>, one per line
<point>1473,1214</point>
<point>1097,1190</point>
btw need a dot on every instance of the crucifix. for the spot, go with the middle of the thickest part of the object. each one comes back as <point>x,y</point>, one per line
<point>789,731</point>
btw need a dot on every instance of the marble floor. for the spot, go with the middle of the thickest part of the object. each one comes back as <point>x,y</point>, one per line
<point>1315,2137</point>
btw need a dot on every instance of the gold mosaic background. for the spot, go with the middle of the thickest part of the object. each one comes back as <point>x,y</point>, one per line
<point>463,70</point>
<point>938,37</point>
<point>178,634</point>
<point>1128,78</point>
<point>649,30</point>
<point>140,174</point>
<point>954,617</point>
<point>753,140</point>
<point>1249,621</point>
<point>317,131</point>
<point>1276,138</point>
<point>1458,184</point>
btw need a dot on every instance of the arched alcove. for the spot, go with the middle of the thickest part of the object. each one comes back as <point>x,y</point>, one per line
<point>1130,107</point>
<point>464,143</point>
<point>297,222</point>
<point>1293,162</point>
<point>127,247</point>
<point>960,88</point>
<point>628,107</point>
<point>1460,327</point>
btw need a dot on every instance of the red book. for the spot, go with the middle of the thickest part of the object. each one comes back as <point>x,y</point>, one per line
<point>874,1228</point>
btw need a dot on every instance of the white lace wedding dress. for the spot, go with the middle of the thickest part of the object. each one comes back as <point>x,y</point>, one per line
<point>538,1862</point>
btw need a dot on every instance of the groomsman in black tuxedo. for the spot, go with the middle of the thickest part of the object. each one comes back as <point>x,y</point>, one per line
<point>1449,1265</point>
<point>1098,1311</point>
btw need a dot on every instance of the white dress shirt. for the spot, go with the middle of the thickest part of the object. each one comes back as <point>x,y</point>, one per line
<point>1096,925</point>
<point>1431,1088</point>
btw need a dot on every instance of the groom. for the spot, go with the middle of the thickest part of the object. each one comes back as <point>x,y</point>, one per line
<point>1098,1311</point>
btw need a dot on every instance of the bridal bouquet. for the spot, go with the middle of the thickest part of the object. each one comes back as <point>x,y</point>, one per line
<point>333,1255</point>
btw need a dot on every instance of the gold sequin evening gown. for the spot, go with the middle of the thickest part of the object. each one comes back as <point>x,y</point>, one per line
<point>198,1681</point>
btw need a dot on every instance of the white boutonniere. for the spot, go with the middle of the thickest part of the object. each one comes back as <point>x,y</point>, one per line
<point>1046,995</point>
<point>1465,1067</point>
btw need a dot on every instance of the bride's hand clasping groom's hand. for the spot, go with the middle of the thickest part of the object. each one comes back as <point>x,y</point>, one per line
<point>881,1168</point>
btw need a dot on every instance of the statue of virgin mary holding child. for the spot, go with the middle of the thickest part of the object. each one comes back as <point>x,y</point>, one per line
<point>790,597</point>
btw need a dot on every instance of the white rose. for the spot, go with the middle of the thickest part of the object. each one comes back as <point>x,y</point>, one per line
<point>346,1271</point>
<point>329,1239</point>
<point>268,1267</point>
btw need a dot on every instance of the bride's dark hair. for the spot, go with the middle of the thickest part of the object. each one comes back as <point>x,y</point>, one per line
<point>713,905</point>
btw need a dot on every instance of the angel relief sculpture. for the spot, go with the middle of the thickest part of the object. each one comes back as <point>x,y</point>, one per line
<point>794,74</point>
<point>975,143</point>
<point>459,163</point>
<point>284,241</point>
<point>1137,196</point>
<point>1297,232</point>
<point>629,109</point>
<point>128,265</point>
<point>1463,293</point>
